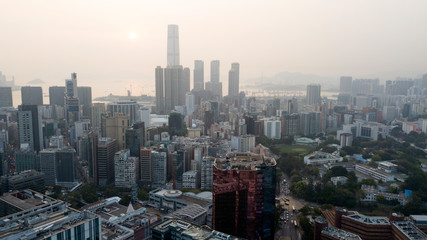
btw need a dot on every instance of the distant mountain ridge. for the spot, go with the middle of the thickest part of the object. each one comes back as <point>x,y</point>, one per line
<point>290,81</point>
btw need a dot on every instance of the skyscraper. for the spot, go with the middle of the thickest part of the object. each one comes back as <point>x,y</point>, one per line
<point>345,84</point>
<point>47,165</point>
<point>173,45</point>
<point>199,76</point>
<point>173,81</point>
<point>313,94</point>
<point>97,110</point>
<point>215,86</point>
<point>135,138</point>
<point>107,148</point>
<point>30,127</point>
<point>85,99</point>
<point>310,123</point>
<point>32,95</point>
<point>6,97</point>
<point>189,103</point>
<point>126,107</point>
<point>145,165</point>
<point>243,195</point>
<point>125,169</point>
<point>176,124</point>
<point>159,168</point>
<point>58,165</point>
<point>160,90</point>
<point>173,75</point>
<point>215,71</point>
<point>57,95</point>
<point>25,159</point>
<point>183,86</point>
<point>88,145</point>
<point>72,103</point>
<point>115,127</point>
<point>65,169</point>
<point>233,80</point>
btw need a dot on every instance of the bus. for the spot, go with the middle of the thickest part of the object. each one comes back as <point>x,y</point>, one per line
<point>295,223</point>
<point>293,208</point>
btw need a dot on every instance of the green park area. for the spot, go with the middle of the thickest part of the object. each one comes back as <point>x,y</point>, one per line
<point>294,149</point>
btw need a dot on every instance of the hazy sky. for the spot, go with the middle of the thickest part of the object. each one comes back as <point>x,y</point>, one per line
<point>49,39</point>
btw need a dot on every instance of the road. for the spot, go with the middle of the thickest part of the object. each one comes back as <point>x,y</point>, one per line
<point>288,216</point>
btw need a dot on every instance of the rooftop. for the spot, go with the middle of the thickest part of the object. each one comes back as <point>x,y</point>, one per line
<point>409,230</point>
<point>176,194</point>
<point>112,231</point>
<point>105,140</point>
<point>191,230</point>
<point>243,161</point>
<point>42,218</point>
<point>23,174</point>
<point>26,199</point>
<point>387,164</point>
<point>111,211</point>
<point>419,219</point>
<point>189,212</point>
<point>340,234</point>
<point>368,219</point>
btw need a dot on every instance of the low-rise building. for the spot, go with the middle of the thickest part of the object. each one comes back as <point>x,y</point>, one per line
<point>371,194</point>
<point>192,213</point>
<point>333,233</point>
<point>30,179</point>
<point>420,221</point>
<point>42,217</point>
<point>367,227</point>
<point>180,229</point>
<point>374,173</point>
<point>339,180</point>
<point>319,158</point>
<point>387,167</point>
<point>305,141</point>
<point>174,199</point>
<point>136,224</point>
<point>406,230</point>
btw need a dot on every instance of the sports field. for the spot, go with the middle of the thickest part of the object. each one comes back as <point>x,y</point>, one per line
<point>296,149</point>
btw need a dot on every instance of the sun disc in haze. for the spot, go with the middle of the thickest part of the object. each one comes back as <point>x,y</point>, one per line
<point>132,36</point>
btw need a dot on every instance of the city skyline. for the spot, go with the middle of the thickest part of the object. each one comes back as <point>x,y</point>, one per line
<point>293,37</point>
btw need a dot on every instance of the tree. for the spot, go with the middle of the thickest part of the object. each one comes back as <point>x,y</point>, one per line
<point>125,199</point>
<point>299,188</point>
<point>306,226</point>
<point>88,193</point>
<point>368,181</point>
<point>376,158</point>
<point>142,195</point>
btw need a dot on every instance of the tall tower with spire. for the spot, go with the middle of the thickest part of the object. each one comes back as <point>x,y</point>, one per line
<point>173,45</point>
<point>172,82</point>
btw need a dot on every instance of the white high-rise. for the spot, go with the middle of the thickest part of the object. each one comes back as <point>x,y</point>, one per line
<point>273,129</point>
<point>189,103</point>
<point>125,169</point>
<point>144,116</point>
<point>173,45</point>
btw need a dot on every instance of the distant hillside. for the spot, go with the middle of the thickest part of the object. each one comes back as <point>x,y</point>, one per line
<point>36,81</point>
<point>290,81</point>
